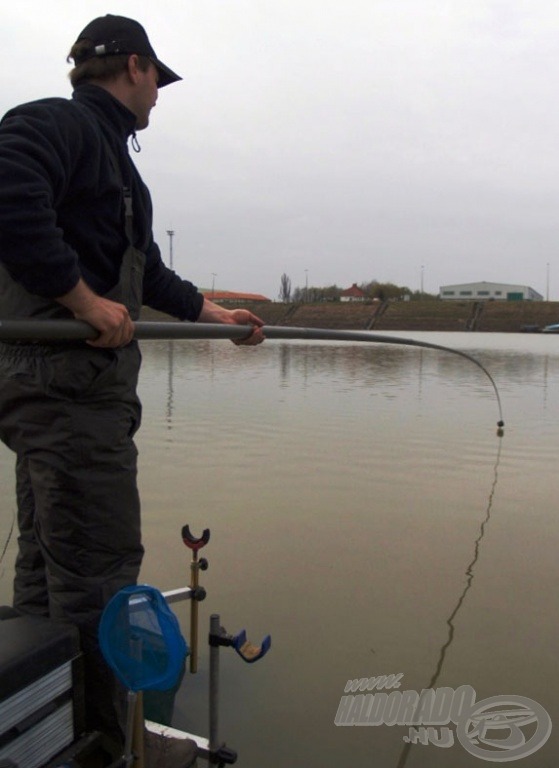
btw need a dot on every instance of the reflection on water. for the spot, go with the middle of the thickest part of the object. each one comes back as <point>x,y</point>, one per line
<point>171,372</point>
<point>345,487</point>
<point>469,576</point>
<point>349,490</point>
<point>470,571</point>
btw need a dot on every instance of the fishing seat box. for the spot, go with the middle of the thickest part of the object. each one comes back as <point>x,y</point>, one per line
<point>41,689</point>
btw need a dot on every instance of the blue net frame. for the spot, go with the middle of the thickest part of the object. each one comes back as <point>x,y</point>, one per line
<point>141,641</point>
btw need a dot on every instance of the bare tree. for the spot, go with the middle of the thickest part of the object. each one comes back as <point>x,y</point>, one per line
<point>285,289</point>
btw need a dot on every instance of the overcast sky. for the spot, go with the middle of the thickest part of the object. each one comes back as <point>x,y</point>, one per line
<point>337,141</point>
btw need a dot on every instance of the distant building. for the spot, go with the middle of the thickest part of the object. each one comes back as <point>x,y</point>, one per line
<point>233,297</point>
<point>353,294</point>
<point>486,291</point>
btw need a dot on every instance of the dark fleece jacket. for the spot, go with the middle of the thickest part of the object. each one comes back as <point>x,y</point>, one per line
<point>61,201</point>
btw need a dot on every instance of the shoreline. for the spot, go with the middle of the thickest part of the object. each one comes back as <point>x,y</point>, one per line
<point>427,315</point>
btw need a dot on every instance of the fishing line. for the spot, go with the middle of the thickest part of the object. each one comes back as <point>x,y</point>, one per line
<point>469,573</point>
<point>49,330</point>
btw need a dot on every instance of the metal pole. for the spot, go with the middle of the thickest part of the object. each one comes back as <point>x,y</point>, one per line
<point>171,233</point>
<point>194,583</point>
<point>138,733</point>
<point>215,631</point>
<point>128,756</point>
<point>214,275</point>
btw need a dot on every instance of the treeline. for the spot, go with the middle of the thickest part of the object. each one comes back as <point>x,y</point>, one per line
<point>372,290</point>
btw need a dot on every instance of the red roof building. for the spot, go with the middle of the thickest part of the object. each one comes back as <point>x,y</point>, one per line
<point>233,297</point>
<point>353,294</point>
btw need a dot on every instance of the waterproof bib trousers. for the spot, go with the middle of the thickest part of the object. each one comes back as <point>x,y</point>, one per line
<point>70,412</point>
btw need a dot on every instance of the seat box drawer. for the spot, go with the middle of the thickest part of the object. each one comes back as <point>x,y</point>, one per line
<point>41,700</point>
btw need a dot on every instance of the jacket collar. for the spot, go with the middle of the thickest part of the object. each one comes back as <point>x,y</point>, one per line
<point>110,110</point>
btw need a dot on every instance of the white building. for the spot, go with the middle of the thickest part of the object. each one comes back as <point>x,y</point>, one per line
<point>485,291</point>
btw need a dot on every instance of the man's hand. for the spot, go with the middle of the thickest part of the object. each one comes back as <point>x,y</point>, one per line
<point>110,318</point>
<point>213,313</point>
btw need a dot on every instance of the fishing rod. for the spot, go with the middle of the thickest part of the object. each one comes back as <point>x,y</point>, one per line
<point>77,330</point>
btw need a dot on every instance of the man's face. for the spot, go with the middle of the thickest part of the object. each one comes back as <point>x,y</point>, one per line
<point>145,96</point>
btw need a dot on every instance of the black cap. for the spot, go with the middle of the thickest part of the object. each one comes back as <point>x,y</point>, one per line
<point>113,35</point>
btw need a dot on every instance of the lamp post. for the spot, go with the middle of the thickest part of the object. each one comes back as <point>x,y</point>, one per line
<point>547,284</point>
<point>422,268</point>
<point>306,285</point>
<point>214,275</point>
<point>171,233</point>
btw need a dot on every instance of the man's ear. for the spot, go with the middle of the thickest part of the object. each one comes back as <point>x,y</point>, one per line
<point>133,69</point>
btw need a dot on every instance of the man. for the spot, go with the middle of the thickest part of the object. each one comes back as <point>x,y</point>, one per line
<point>76,241</point>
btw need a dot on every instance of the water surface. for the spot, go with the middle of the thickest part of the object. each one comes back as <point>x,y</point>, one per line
<point>363,512</point>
